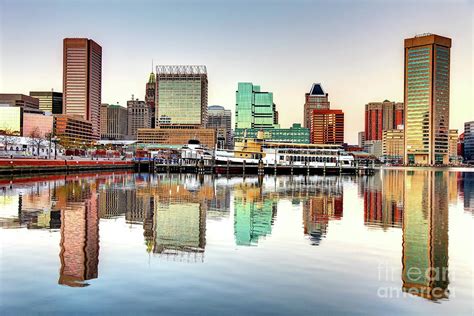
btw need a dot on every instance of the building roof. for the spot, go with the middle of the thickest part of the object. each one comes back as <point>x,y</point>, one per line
<point>216,107</point>
<point>181,70</point>
<point>317,89</point>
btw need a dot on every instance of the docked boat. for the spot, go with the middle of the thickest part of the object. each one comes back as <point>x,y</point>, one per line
<point>253,152</point>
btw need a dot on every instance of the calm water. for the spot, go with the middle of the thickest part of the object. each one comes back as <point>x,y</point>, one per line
<point>397,242</point>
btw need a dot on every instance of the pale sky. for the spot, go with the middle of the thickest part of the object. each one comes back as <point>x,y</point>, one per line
<point>354,48</point>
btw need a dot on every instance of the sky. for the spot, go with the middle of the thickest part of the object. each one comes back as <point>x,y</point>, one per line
<point>353,48</point>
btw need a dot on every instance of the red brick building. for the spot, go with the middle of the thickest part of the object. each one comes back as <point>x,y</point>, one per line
<point>327,127</point>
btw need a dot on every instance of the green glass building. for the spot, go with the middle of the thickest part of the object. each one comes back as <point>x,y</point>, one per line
<point>254,108</point>
<point>181,96</point>
<point>294,134</point>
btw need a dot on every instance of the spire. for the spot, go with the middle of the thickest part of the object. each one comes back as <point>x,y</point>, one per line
<point>152,78</point>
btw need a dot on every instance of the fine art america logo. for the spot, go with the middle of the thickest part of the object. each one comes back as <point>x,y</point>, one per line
<point>427,282</point>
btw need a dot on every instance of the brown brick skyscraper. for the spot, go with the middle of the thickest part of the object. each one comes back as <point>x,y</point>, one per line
<point>82,80</point>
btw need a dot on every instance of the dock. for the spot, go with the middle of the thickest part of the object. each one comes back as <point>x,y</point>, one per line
<point>207,167</point>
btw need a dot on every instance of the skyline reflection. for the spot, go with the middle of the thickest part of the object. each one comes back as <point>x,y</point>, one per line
<point>174,212</point>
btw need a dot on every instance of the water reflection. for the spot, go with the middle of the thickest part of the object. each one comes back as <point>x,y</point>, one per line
<point>425,234</point>
<point>383,199</point>
<point>173,211</point>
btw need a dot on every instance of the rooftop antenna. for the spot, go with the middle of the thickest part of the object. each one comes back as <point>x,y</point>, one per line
<point>133,97</point>
<point>152,65</point>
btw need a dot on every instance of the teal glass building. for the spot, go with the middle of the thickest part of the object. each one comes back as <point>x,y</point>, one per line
<point>294,134</point>
<point>254,108</point>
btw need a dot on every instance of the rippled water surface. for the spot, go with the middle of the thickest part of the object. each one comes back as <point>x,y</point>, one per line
<point>400,241</point>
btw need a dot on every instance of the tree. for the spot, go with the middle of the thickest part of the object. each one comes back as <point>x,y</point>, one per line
<point>36,139</point>
<point>8,137</point>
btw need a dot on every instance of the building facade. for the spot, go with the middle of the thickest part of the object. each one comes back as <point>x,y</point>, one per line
<point>220,119</point>
<point>177,136</point>
<point>380,116</point>
<point>73,131</point>
<point>327,127</point>
<point>82,80</point>
<point>20,121</point>
<point>181,95</point>
<point>427,68</point>
<point>294,134</point>
<point>139,116</point>
<point>49,101</point>
<point>469,141</point>
<point>316,99</point>
<point>113,122</point>
<point>392,145</point>
<point>361,139</point>
<point>254,108</point>
<point>17,99</point>
<point>453,145</point>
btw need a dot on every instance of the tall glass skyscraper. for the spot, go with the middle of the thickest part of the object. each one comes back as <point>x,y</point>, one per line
<point>82,80</point>
<point>427,64</point>
<point>254,108</point>
<point>181,96</point>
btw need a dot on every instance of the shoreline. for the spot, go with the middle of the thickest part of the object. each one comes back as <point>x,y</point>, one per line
<point>21,166</point>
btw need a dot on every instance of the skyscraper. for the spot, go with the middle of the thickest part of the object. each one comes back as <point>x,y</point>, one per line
<point>316,99</point>
<point>327,127</point>
<point>138,116</point>
<point>254,108</point>
<point>82,80</point>
<point>113,121</point>
<point>150,96</point>
<point>427,65</point>
<point>181,96</point>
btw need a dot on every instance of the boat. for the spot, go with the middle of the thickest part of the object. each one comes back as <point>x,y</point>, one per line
<point>257,152</point>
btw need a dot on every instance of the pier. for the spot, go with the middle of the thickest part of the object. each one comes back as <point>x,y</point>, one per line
<point>208,167</point>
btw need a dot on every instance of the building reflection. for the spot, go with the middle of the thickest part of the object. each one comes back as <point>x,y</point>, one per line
<point>322,206</point>
<point>79,243</point>
<point>253,213</point>
<point>383,199</point>
<point>467,191</point>
<point>425,234</point>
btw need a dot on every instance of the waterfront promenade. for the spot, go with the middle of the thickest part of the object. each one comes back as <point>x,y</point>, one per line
<point>27,165</point>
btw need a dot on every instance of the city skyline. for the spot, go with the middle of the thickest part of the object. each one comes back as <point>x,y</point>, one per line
<point>294,64</point>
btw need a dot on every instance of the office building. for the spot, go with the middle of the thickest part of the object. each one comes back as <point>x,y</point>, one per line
<point>453,145</point>
<point>150,97</point>
<point>220,119</point>
<point>316,99</point>
<point>361,139</point>
<point>16,99</point>
<point>380,116</point>
<point>374,147</point>
<point>72,130</point>
<point>49,101</point>
<point>82,80</point>
<point>254,108</point>
<point>468,141</point>
<point>294,134</point>
<point>139,116</point>
<point>392,145</point>
<point>327,127</point>
<point>181,95</point>
<point>113,122</point>
<point>427,67</point>
<point>177,136</point>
